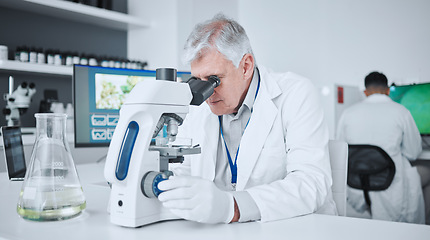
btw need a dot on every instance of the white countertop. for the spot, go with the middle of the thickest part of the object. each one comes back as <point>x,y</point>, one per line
<point>28,140</point>
<point>94,222</point>
<point>425,154</point>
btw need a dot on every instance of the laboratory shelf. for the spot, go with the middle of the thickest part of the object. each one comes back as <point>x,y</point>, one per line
<point>78,12</point>
<point>36,68</point>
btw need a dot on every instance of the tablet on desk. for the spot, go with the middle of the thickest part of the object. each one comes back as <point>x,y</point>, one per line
<point>13,152</point>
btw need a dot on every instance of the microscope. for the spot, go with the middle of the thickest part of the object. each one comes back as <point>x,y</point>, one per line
<point>135,163</point>
<point>18,101</point>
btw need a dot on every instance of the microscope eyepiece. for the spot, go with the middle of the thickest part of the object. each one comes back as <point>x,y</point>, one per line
<point>214,79</point>
<point>202,90</point>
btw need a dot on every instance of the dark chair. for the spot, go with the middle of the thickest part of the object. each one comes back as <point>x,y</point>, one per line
<point>370,168</point>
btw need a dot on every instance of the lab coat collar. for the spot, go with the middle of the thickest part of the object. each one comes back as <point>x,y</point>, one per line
<point>258,129</point>
<point>209,144</point>
<point>272,87</point>
<point>248,102</point>
<point>253,139</point>
<point>377,97</point>
<point>250,96</point>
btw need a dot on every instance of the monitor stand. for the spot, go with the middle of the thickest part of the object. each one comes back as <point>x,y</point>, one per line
<point>425,154</point>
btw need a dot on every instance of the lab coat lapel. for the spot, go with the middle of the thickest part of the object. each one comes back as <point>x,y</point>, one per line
<point>255,135</point>
<point>209,145</point>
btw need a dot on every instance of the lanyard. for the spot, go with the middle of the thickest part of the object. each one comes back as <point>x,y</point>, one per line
<point>233,166</point>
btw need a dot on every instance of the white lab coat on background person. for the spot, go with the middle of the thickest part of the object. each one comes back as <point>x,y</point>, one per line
<point>283,162</point>
<point>382,122</point>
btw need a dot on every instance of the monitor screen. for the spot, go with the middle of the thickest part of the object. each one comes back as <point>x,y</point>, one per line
<point>98,93</point>
<point>416,98</point>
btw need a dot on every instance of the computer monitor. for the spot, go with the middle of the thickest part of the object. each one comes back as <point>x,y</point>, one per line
<point>98,93</point>
<point>416,98</point>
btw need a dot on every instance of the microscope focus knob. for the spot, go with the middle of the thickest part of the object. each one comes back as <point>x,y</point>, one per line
<point>6,111</point>
<point>149,183</point>
<point>166,74</point>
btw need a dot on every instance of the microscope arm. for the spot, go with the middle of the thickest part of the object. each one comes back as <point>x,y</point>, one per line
<point>134,166</point>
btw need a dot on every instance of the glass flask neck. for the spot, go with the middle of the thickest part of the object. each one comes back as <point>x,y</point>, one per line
<point>51,125</point>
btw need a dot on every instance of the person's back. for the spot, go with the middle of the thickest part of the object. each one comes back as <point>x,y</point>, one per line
<point>381,122</point>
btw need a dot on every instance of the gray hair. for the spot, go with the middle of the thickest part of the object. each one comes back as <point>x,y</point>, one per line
<point>226,35</point>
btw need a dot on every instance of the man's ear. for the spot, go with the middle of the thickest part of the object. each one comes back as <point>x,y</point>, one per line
<point>367,93</point>
<point>248,66</point>
<point>387,92</point>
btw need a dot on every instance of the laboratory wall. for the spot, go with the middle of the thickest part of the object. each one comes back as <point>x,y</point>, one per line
<point>171,23</point>
<point>328,41</point>
<point>158,43</point>
<point>341,41</point>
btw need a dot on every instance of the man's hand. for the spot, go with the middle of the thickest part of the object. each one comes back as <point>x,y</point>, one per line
<point>196,199</point>
<point>236,216</point>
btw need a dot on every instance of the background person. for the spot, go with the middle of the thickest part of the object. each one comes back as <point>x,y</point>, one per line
<point>384,123</point>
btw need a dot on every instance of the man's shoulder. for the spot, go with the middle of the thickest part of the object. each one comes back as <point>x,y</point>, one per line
<point>366,105</point>
<point>284,80</point>
<point>398,106</point>
<point>389,103</point>
<point>353,108</point>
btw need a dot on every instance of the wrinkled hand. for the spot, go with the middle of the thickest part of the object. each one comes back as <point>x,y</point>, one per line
<point>196,199</point>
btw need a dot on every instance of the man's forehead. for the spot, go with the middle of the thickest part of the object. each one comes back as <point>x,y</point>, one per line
<point>204,71</point>
<point>211,63</point>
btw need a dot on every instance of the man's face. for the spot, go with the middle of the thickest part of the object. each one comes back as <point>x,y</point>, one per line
<point>233,86</point>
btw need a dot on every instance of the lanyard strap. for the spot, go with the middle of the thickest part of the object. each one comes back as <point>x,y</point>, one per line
<point>233,166</point>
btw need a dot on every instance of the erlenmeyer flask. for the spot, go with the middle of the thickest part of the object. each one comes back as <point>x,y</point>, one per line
<point>51,189</point>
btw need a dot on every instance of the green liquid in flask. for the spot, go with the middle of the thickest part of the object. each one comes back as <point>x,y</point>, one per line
<point>49,205</point>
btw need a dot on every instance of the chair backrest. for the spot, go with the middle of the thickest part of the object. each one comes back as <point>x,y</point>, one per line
<point>370,168</point>
<point>338,151</point>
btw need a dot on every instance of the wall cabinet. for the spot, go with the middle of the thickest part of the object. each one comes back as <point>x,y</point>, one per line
<point>73,12</point>
<point>16,66</point>
<point>78,12</point>
<point>62,25</point>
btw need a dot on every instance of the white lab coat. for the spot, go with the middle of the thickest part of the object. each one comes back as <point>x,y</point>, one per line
<point>283,161</point>
<point>382,122</point>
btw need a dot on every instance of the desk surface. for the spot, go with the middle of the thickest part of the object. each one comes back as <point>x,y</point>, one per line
<point>425,154</point>
<point>94,222</point>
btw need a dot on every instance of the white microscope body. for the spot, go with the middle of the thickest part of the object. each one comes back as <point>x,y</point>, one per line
<point>131,158</point>
<point>18,101</point>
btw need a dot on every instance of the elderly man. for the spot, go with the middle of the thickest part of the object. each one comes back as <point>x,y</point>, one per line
<point>263,138</point>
